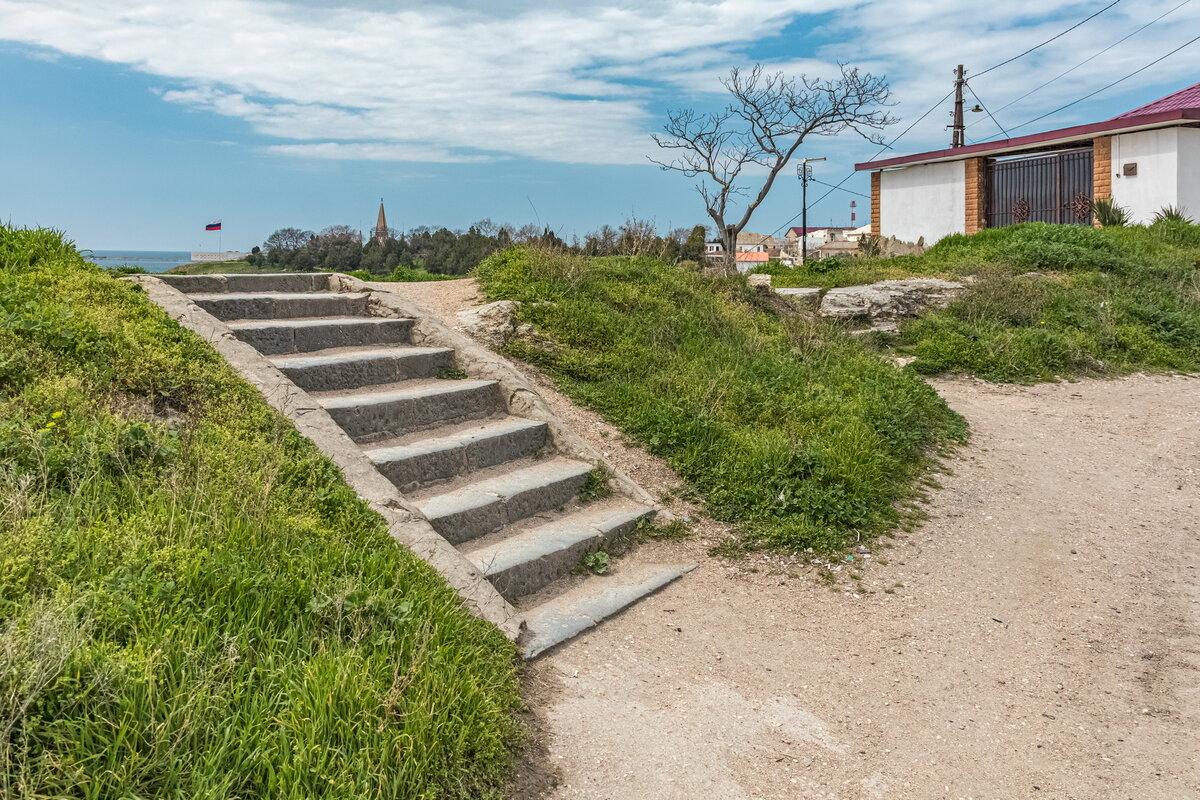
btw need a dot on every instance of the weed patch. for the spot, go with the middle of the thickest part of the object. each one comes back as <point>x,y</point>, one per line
<point>192,601</point>
<point>785,426</point>
<point>1049,300</point>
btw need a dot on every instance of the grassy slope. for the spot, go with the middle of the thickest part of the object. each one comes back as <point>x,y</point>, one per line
<point>785,426</point>
<point>404,274</point>
<point>1106,301</point>
<point>222,268</point>
<point>192,602</point>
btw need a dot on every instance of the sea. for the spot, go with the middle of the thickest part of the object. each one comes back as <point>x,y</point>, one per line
<point>149,260</point>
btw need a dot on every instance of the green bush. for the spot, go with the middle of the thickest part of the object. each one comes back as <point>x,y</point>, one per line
<point>787,427</point>
<point>1109,301</point>
<point>411,274</point>
<point>193,603</point>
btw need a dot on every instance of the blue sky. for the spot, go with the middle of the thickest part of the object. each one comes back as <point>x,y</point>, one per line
<point>130,125</point>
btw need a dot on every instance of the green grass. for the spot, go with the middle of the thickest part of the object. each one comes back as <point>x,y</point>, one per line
<point>830,273</point>
<point>193,604</point>
<point>1103,301</point>
<point>787,427</point>
<point>404,274</point>
<point>223,268</point>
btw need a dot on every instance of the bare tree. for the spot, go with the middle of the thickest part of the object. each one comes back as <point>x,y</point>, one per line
<point>763,126</point>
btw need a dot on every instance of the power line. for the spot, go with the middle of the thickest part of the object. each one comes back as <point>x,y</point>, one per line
<point>934,107</point>
<point>1048,41</point>
<point>985,108</point>
<point>848,191</point>
<point>887,146</point>
<point>1092,57</point>
<point>1109,86</point>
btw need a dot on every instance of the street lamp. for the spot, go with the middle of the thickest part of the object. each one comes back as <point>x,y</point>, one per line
<point>804,173</point>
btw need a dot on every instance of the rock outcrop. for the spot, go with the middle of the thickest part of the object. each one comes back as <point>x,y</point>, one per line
<point>889,300</point>
<point>492,324</point>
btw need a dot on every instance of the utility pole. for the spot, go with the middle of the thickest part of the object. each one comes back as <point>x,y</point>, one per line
<point>959,138</point>
<point>804,173</point>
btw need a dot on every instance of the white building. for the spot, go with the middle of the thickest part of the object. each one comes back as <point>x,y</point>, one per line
<point>1143,160</point>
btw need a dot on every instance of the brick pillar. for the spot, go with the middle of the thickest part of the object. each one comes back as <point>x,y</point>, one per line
<point>876,177</point>
<point>976,218</point>
<point>1102,173</point>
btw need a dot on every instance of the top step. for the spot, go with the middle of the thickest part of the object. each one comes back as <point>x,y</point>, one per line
<point>229,306</point>
<point>288,282</point>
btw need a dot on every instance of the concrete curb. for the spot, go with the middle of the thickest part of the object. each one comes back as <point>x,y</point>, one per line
<point>521,398</point>
<point>406,525</point>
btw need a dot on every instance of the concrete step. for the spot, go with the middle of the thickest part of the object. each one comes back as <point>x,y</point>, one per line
<point>279,337</point>
<point>428,457</point>
<point>356,367</point>
<point>393,410</point>
<point>523,562</point>
<point>282,305</point>
<point>597,598</point>
<point>499,497</point>
<point>268,282</point>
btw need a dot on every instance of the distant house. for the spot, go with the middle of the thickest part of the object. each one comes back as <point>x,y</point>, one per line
<point>836,247</point>
<point>815,236</point>
<point>854,234</point>
<point>748,261</point>
<point>748,244</point>
<point>822,234</point>
<point>1143,160</point>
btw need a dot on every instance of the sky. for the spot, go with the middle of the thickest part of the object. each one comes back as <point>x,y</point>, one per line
<point>132,124</point>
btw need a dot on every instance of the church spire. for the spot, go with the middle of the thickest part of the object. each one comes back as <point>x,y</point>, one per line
<point>381,229</point>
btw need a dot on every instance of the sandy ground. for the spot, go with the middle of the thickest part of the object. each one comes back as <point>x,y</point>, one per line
<point>1038,637</point>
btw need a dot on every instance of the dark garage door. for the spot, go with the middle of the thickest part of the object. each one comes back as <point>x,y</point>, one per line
<point>1055,187</point>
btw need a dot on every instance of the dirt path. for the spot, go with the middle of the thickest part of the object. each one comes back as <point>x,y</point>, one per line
<point>1039,636</point>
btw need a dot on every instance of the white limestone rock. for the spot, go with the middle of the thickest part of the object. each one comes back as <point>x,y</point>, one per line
<point>890,299</point>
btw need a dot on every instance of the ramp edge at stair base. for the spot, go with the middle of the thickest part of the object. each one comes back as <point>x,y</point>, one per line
<point>564,618</point>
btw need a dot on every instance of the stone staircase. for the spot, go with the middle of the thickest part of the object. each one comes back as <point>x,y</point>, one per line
<point>496,485</point>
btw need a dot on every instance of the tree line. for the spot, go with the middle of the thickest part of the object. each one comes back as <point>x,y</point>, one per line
<point>446,252</point>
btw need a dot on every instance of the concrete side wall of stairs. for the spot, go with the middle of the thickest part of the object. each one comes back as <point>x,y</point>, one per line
<point>444,438</point>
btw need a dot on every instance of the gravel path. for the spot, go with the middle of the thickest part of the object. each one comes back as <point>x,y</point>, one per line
<point>1039,636</point>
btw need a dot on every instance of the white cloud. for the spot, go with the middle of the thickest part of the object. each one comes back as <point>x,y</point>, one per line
<point>549,80</point>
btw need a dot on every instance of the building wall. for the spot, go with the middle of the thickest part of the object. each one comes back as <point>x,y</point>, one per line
<point>975,170</point>
<point>1189,171</point>
<point>875,182</point>
<point>1156,184</point>
<point>923,201</point>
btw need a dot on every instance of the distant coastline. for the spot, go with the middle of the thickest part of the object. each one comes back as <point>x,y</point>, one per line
<point>149,260</point>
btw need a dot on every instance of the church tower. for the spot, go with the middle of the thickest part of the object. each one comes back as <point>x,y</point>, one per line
<point>381,233</point>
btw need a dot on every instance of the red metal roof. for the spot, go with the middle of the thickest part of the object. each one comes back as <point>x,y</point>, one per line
<point>1184,98</point>
<point>1178,108</point>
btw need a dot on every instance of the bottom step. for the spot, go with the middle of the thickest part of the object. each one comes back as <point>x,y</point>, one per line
<point>573,612</point>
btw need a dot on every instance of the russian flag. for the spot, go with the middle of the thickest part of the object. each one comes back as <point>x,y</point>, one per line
<point>213,226</point>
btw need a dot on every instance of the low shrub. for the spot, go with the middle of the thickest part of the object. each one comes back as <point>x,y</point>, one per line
<point>1107,301</point>
<point>403,274</point>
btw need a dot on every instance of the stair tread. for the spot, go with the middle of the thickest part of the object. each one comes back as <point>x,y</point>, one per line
<point>338,355</point>
<point>423,387</point>
<point>497,483</point>
<point>595,599</point>
<point>587,522</point>
<point>315,322</point>
<point>446,436</point>
<point>200,297</point>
